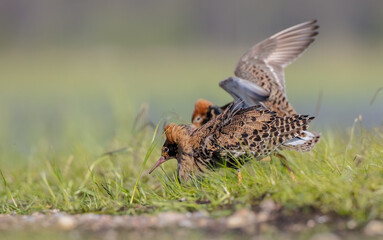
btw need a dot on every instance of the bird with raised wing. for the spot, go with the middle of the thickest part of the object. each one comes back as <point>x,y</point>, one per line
<point>230,139</point>
<point>259,75</point>
<point>259,78</point>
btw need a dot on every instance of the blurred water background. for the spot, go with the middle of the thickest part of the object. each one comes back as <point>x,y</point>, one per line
<point>79,71</point>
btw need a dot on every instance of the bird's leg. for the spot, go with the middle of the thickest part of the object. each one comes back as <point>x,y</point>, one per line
<point>284,162</point>
<point>239,176</point>
<point>265,159</point>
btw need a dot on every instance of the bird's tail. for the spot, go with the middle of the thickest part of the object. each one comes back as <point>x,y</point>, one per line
<point>305,142</point>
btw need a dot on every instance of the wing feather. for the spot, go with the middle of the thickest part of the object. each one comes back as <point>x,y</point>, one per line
<point>261,131</point>
<point>248,92</point>
<point>279,50</point>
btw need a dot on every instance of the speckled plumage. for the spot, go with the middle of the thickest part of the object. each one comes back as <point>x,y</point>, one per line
<point>259,74</point>
<point>233,134</point>
<point>259,79</point>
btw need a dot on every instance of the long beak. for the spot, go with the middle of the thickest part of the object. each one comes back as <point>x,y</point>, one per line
<point>158,163</point>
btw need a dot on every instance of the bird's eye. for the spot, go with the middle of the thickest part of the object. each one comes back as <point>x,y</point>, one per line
<point>166,149</point>
<point>198,119</point>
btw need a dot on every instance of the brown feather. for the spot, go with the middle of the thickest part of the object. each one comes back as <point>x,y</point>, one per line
<point>264,65</point>
<point>200,108</point>
<point>240,133</point>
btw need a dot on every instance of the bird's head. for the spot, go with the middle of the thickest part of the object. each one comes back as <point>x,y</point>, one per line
<point>176,140</point>
<point>203,112</point>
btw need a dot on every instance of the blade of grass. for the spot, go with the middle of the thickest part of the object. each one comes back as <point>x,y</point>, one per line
<point>88,174</point>
<point>148,153</point>
<point>45,180</point>
<point>7,188</point>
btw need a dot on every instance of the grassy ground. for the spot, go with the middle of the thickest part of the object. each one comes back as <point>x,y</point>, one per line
<point>343,175</point>
<point>62,114</point>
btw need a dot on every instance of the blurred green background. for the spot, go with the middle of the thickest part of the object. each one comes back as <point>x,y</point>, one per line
<point>79,71</point>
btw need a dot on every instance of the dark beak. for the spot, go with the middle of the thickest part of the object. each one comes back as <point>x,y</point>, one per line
<point>158,163</point>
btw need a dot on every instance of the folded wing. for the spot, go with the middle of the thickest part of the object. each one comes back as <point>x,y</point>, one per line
<point>260,132</point>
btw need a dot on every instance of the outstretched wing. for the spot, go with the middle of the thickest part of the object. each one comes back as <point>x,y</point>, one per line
<point>265,61</point>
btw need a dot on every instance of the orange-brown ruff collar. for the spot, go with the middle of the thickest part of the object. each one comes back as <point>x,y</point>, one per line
<point>175,134</point>
<point>201,107</point>
<point>171,135</point>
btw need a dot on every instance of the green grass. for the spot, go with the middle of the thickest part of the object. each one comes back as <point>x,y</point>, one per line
<point>343,175</point>
<point>58,122</point>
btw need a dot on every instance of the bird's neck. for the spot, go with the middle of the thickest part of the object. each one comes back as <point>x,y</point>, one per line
<point>181,135</point>
<point>185,159</point>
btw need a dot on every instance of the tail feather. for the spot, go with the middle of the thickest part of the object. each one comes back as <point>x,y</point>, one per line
<point>303,143</point>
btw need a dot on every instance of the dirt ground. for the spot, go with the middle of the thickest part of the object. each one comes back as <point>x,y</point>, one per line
<point>266,223</point>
